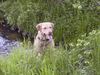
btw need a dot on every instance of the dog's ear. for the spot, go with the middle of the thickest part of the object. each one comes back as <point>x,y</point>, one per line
<point>52,25</point>
<point>38,26</point>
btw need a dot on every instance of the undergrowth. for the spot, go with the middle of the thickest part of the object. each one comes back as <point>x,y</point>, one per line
<point>81,58</point>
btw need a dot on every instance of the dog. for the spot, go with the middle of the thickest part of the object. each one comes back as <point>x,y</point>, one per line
<point>44,37</point>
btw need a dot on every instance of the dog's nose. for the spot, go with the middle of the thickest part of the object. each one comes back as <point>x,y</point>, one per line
<point>47,39</point>
<point>44,34</point>
<point>50,33</point>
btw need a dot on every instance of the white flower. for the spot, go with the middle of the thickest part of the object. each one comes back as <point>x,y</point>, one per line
<point>87,43</point>
<point>80,56</point>
<point>75,5</point>
<point>93,32</point>
<point>79,7</point>
<point>87,62</point>
<point>71,44</point>
<point>79,44</point>
<point>80,41</point>
<point>87,52</point>
<point>28,10</point>
<point>83,35</point>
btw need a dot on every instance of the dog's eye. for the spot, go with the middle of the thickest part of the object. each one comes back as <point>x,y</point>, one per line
<point>45,28</point>
<point>50,27</point>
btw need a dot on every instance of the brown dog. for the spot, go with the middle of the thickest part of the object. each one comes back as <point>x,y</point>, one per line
<point>44,37</point>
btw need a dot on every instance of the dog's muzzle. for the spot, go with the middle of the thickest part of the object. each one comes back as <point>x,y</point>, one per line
<point>46,37</point>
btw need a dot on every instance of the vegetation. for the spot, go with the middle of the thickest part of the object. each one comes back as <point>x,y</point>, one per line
<point>82,58</point>
<point>71,17</point>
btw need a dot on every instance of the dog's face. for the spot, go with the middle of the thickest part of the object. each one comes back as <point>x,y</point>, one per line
<point>46,29</point>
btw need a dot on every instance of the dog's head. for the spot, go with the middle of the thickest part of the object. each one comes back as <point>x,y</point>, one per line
<point>46,29</point>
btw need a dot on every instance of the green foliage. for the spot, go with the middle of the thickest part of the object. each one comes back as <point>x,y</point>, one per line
<point>71,17</point>
<point>88,51</point>
<point>96,54</point>
<point>81,58</point>
<point>24,62</point>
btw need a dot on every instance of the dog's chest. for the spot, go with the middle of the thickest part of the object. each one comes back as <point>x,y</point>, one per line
<point>44,44</point>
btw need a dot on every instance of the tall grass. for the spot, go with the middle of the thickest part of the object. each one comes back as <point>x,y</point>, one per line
<point>81,58</point>
<point>96,54</point>
<point>23,62</point>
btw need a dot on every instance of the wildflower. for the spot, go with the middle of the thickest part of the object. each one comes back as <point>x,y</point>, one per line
<point>79,40</point>
<point>80,56</point>
<point>87,52</point>
<point>86,62</point>
<point>75,5</point>
<point>86,43</point>
<point>79,44</point>
<point>84,35</point>
<point>93,32</point>
<point>71,44</point>
<point>28,10</point>
<point>79,7</point>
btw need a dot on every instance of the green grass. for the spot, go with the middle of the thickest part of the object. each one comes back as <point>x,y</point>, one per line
<point>96,55</point>
<point>82,58</point>
<point>72,18</point>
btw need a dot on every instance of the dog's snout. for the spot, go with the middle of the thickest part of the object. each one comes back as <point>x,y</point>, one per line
<point>50,33</point>
<point>44,34</point>
<point>47,39</point>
